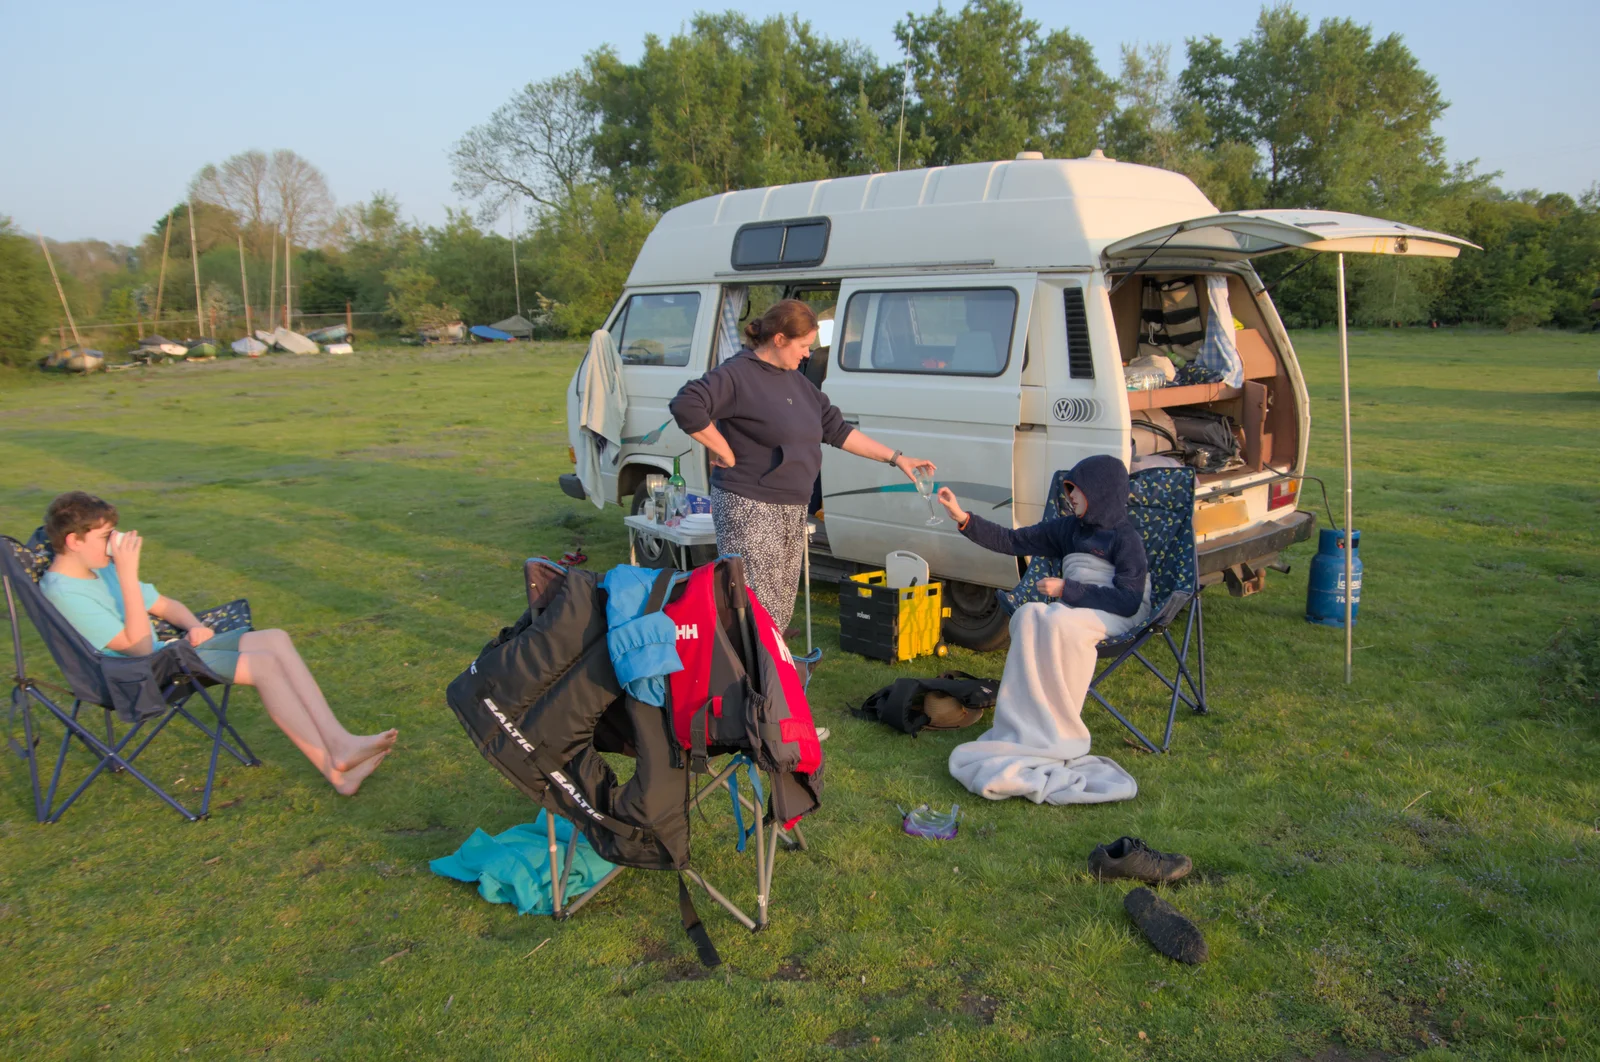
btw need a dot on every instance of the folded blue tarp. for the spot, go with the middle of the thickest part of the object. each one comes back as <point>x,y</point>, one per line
<point>494,334</point>
<point>514,867</point>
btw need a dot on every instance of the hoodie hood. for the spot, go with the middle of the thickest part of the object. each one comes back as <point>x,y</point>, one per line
<point>1103,480</point>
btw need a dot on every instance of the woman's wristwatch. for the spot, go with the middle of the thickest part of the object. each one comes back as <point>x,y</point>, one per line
<point>894,457</point>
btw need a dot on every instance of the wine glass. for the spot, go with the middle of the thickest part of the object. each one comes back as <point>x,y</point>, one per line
<point>924,483</point>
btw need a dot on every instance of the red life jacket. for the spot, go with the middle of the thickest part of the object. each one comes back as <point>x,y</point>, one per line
<point>718,705</point>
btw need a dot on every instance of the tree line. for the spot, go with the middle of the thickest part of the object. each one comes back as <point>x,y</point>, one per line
<point>1294,115</point>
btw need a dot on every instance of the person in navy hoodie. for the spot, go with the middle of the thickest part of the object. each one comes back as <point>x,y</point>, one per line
<point>1038,747</point>
<point>1099,527</point>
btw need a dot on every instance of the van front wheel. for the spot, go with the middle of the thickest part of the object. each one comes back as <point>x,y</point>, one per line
<point>976,619</point>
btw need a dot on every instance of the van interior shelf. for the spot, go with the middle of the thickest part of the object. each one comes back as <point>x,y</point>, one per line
<point>1189,395</point>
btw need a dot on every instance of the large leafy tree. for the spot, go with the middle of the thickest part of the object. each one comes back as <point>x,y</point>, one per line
<point>26,299</point>
<point>1341,120</point>
<point>734,103</point>
<point>990,84</point>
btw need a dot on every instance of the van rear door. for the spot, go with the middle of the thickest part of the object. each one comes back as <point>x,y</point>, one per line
<point>1244,234</point>
<point>930,365</point>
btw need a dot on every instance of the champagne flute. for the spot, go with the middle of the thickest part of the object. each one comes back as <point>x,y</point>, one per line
<point>924,483</point>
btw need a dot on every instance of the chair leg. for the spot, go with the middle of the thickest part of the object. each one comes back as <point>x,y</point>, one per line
<point>109,756</point>
<point>111,736</point>
<point>1200,648</point>
<point>31,751</point>
<point>555,864</point>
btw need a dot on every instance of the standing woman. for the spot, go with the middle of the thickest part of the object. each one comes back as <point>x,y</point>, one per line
<point>764,425</point>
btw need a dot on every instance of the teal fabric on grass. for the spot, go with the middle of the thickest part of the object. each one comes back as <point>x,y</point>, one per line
<point>514,867</point>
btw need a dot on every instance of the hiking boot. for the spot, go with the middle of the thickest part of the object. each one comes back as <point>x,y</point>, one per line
<point>1172,934</point>
<point>1128,857</point>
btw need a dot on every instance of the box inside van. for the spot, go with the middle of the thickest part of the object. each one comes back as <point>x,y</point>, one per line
<point>992,318</point>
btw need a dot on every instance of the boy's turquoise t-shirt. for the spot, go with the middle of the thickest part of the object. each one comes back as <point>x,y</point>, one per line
<point>94,606</point>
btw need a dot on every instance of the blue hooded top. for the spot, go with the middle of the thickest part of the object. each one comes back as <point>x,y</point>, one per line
<point>1104,530</point>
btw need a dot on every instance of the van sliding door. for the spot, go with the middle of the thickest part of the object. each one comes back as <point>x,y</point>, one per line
<point>931,366</point>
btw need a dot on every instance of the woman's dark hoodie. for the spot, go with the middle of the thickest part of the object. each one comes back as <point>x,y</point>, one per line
<point>1104,531</point>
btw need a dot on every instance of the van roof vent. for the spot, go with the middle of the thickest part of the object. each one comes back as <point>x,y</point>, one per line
<point>1099,156</point>
<point>1026,156</point>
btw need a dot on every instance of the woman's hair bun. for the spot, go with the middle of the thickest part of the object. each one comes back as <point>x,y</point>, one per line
<point>787,317</point>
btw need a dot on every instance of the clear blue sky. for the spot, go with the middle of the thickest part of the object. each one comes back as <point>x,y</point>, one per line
<point>107,109</point>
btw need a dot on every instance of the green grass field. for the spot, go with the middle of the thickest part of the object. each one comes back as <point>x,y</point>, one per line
<point>1406,866</point>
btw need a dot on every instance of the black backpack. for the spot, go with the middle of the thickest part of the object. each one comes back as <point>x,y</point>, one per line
<point>899,705</point>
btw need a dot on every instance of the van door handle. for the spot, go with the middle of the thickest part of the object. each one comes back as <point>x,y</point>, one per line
<point>853,423</point>
<point>1030,427</point>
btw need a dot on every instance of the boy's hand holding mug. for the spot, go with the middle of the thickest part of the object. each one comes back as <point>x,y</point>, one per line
<point>124,547</point>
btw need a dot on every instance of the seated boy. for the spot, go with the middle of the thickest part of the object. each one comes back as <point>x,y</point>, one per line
<point>93,575</point>
<point>1038,747</point>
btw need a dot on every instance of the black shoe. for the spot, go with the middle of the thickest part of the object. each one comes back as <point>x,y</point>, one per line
<point>1127,857</point>
<point>1173,935</point>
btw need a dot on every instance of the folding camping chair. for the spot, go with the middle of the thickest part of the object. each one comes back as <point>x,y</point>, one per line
<point>144,691</point>
<point>541,577</point>
<point>1161,504</point>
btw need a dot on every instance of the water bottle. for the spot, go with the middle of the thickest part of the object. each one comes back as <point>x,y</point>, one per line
<point>677,491</point>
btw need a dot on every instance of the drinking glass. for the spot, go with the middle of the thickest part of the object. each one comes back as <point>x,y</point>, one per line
<point>924,482</point>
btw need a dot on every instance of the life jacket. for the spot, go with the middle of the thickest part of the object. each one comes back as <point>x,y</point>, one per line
<point>739,690</point>
<point>541,703</point>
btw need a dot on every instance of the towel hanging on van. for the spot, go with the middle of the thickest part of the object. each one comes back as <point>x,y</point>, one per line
<point>602,408</point>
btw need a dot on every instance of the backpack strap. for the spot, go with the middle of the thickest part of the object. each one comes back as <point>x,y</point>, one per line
<point>658,591</point>
<point>566,785</point>
<point>697,932</point>
<point>897,705</point>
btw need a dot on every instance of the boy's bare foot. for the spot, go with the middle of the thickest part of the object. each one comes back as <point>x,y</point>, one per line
<point>347,782</point>
<point>364,748</point>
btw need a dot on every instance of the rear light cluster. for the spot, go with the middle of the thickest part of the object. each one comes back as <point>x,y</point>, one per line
<point>572,455</point>
<point>1283,493</point>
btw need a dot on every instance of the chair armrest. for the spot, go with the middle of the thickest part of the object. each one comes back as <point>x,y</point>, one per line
<point>233,616</point>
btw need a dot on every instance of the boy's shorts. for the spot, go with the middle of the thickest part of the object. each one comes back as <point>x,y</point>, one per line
<point>221,653</point>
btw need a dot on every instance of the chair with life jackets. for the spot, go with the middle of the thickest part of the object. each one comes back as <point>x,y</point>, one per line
<point>542,703</point>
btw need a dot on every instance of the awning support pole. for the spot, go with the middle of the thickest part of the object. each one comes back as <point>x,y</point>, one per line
<point>1349,489</point>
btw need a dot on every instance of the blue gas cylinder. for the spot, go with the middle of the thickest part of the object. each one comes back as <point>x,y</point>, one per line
<point>1325,590</point>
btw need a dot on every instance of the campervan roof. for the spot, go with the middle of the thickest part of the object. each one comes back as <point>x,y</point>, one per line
<point>1022,214</point>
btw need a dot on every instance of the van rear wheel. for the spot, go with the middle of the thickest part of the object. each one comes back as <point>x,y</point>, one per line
<point>976,620</point>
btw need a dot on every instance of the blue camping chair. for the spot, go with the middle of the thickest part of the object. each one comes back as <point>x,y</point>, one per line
<point>143,691</point>
<point>1161,504</point>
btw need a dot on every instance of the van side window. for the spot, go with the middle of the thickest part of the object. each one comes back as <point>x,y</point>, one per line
<point>1080,358</point>
<point>657,329</point>
<point>949,332</point>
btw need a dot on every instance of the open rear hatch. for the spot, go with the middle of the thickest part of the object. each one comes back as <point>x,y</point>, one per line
<point>1240,235</point>
<point>1246,514</point>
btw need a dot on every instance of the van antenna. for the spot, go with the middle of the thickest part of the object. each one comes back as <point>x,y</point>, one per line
<point>899,140</point>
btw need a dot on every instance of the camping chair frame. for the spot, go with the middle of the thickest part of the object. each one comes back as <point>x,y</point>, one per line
<point>111,752</point>
<point>1162,504</point>
<point>767,836</point>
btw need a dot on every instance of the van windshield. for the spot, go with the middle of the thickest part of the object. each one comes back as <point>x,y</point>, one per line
<point>657,329</point>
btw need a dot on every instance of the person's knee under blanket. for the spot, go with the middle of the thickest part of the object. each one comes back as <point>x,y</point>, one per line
<point>1038,747</point>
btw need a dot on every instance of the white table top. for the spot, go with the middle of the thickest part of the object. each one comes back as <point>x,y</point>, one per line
<point>676,535</point>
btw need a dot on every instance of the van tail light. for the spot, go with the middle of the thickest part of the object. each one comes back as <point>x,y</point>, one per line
<point>1283,493</point>
<point>572,456</point>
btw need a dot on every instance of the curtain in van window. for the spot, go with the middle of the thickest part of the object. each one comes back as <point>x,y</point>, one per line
<point>1218,350</point>
<point>734,298</point>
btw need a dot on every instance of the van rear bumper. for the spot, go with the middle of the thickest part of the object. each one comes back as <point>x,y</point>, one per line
<point>572,487</point>
<point>1255,543</point>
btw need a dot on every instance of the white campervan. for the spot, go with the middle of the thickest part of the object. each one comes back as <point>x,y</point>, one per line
<point>982,317</point>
